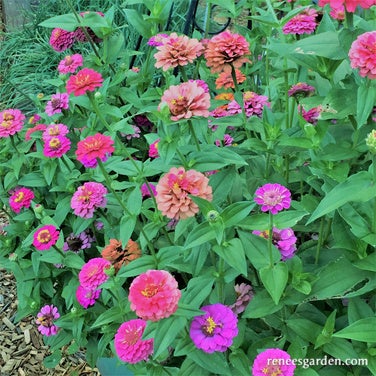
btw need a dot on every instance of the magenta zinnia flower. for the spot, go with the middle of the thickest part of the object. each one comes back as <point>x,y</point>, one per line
<point>20,198</point>
<point>45,237</point>
<point>58,102</point>
<point>186,100</point>
<point>129,345</point>
<point>253,104</point>
<point>173,191</point>
<point>45,320</point>
<point>153,149</point>
<point>362,54</point>
<point>273,362</point>
<point>57,146</point>
<point>311,115</point>
<point>93,274</point>
<point>157,40</point>
<point>11,122</point>
<point>70,63</point>
<point>93,147</point>
<point>154,295</point>
<point>303,23</point>
<point>215,330</point>
<point>145,190</point>
<point>85,80</point>
<point>61,40</point>
<point>87,297</point>
<point>350,5</point>
<point>87,198</point>
<point>273,198</point>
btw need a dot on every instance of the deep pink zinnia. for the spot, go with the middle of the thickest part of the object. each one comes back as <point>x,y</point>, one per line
<point>45,320</point>
<point>128,343</point>
<point>61,40</point>
<point>273,198</point>
<point>93,273</point>
<point>56,146</point>
<point>173,191</point>
<point>186,100</point>
<point>94,147</point>
<point>273,362</point>
<point>87,297</point>
<point>85,80</point>
<point>350,5</point>
<point>153,149</point>
<point>154,295</point>
<point>225,50</point>
<point>303,23</point>
<point>20,198</point>
<point>45,237</point>
<point>70,63</point>
<point>87,198</point>
<point>362,54</point>
<point>11,122</point>
<point>58,102</point>
<point>311,115</point>
<point>215,330</point>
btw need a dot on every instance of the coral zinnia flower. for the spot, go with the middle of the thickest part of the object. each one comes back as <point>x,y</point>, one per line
<point>154,295</point>
<point>87,198</point>
<point>177,51</point>
<point>362,54</point>
<point>215,330</point>
<point>70,63</point>
<point>11,122</point>
<point>92,274</point>
<point>350,5</point>
<point>173,191</point>
<point>45,237</point>
<point>93,147</point>
<point>20,198</point>
<point>186,100</point>
<point>303,23</point>
<point>58,102</point>
<point>273,198</point>
<point>87,297</point>
<point>61,40</point>
<point>85,80</point>
<point>45,320</point>
<point>273,362</point>
<point>129,345</point>
<point>225,80</point>
<point>225,50</point>
<point>56,146</point>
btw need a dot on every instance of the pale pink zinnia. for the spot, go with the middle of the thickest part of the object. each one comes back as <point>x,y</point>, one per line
<point>20,198</point>
<point>87,198</point>
<point>11,122</point>
<point>350,5</point>
<point>128,343</point>
<point>177,51</point>
<point>70,63</point>
<point>302,23</point>
<point>45,320</point>
<point>56,146</point>
<point>85,80</point>
<point>186,100</point>
<point>362,54</point>
<point>45,237</point>
<point>272,362</point>
<point>173,191</point>
<point>273,198</point>
<point>226,50</point>
<point>93,273</point>
<point>61,40</point>
<point>87,297</point>
<point>58,102</point>
<point>154,295</point>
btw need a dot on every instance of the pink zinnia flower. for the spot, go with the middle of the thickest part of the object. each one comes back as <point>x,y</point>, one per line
<point>70,63</point>
<point>45,320</point>
<point>153,149</point>
<point>20,198</point>
<point>303,23</point>
<point>11,122</point>
<point>227,141</point>
<point>338,14</point>
<point>61,40</point>
<point>154,295</point>
<point>177,51</point>
<point>56,146</point>
<point>58,102</point>
<point>145,190</point>
<point>129,345</point>
<point>45,237</point>
<point>225,50</point>
<point>157,40</point>
<point>202,84</point>
<point>350,5</point>
<point>93,273</point>
<point>362,54</point>
<point>174,189</point>
<point>94,147</point>
<point>301,89</point>
<point>85,80</point>
<point>30,131</point>
<point>273,198</point>
<point>253,104</point>
<point>215,330</point>
<point>34,119</point>
<point>87,198</point>
<point>244,295</point>
<point>54,130</point>
<point>87,297</point>
<point>312,115</point>
<point>186,100</point>
<point>225,80</point>
<point>135,134</point>
<point>273,362</point>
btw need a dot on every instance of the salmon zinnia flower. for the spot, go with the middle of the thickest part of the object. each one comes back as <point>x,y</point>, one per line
<point>85,80</point>
<point>225,80</point>
<point>173,191</point>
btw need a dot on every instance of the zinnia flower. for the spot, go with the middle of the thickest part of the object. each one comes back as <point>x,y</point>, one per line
<point>153,149</point>
<point>129,345</point>
<point>362,54</point>
<point>311,115</point>
<point>11,122</point>
<point>186,100</point>
<point>173,191</point>
<point>284,240</point>
<point>350,5</point>
<point>85,80</point>
<point>226,50</point>
<point>301,89</point>
<point>45,320</point>
<point>135,134</point>
<point>215,330</point>
<point>70,63</point>
<point>227,141</point>
<point>145,190</point>
<point>225,80</point>
<point>177,51</point>
<point>20,198</point>
<point>253,104</point>
<point>202,84</point>
<point>45,237</point>
<point>54,130</point>
<point>61,40</point>
<point>58,102</point>
<point>57,146</point>
<point>273,198</point>
<point>76,243</point>
<point>87,297</point>
<point>273,362</point>
<point>93,147</point>
<point>93,274</point>
<point>157,40</point>
<point>244,295</point>
<point>34,119</point>
<point>87,198</point>
<point>154,295</point>
<point>303,23</point>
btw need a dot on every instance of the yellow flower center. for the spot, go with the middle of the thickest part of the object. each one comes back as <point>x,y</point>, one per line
<point>150,290</point>
<point>20,196</point>
<point>272,371</point>
<point>7,120</point>
<point>209,326</point>
<point>54,143</point>
<point>44,236</point>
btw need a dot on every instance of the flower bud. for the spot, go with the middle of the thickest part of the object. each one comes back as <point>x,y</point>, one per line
<point>38,209</point>
<point>212,216</point>
<point>98,95</point>
<point>73,310</point>
<point>371,141</point>
<point>33,304</point>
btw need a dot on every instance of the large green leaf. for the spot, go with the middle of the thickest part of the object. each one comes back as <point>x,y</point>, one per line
<point>199,235</point>
<point>215,362</point>
<point>363,330</point>
<point>365,103</point>
<point>274,279</point>
<point>65,21</point>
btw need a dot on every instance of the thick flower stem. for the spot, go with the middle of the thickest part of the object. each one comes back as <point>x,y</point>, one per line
<point>14,145</point>
<point>270,239</point>
<point>193,133</point>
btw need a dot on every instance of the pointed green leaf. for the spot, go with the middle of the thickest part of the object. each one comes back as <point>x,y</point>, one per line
<point>363,330</point>
<point>275,279</point>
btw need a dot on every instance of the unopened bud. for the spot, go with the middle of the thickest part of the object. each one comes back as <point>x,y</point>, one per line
<point>371,141</point>
<point>212,216</point>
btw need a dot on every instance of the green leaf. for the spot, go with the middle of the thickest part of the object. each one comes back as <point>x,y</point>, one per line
<point>364,104</point>
<point>186,310</point>
<point>363,330</point>
<point>261,305</point>
<point>326,334</point>
<point>275,279</point>
<point>204,205</point>
<point>358,309</point>
<point>215,362</point>
<point>226,4</point>
<point>304,328</point>
<point>137,266</point>
<point>127,225</point>
<point>234,213</point>
<point>197,290</point>
<point>111,315</point>
<point>240,361</point>
<point>73,260</point>
<point>135,20</point>
<point>368,263</point>
<point>200,234</point>
<point>33,179</point>
<point>62,209</point>
<point>66,22</point>
<point>51,361</point>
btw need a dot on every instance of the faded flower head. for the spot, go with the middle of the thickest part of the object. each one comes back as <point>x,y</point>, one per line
<point>87,297</point>
<point>272,362</point>
<point>87,198</point>
<point>20,198</point>
<point>11,122</point>
<point>58,102</point>
<point>76,243</point>
<point>61,40</point>
<point>362,54</point>
<point>302,23</point>
<point>45,237</point>
<point>273,198</point>
<point>85,80</point>
<point>45,320</point>
<point>70,63</point>
<point>93,274</point>
<point>244,294</point>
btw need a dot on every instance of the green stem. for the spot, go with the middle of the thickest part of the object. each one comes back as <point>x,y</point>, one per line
<point>270,239</point>
<point>207,19</point>
<point>193,133</point>
<point>182,158</point>
<point>65,163</point>
<point>221,282</point>
<point>349,20</point>
<point>14,145</point>
<point>319,241</point>
<point>98,112</point>
<point>287,101</point>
